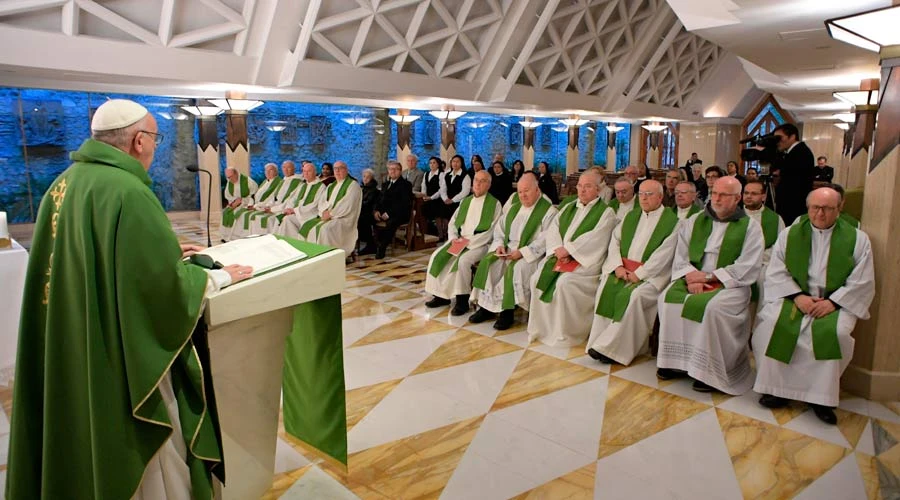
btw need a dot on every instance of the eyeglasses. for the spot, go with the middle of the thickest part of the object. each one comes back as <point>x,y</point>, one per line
<point>157,138</point>
<point>823,209</point>
<point>716,193</point>
<point>677,191</point>
<point>647,193</point>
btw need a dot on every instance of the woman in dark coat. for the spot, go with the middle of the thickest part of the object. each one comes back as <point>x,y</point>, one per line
<point>547,184</point>
<point>501,182</point>
<point>366,220</point>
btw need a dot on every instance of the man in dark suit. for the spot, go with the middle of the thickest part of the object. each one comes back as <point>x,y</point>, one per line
<point>796,165</point>
<point>392,209</point>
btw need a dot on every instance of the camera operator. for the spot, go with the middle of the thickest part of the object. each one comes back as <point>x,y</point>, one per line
<point>796,164</point>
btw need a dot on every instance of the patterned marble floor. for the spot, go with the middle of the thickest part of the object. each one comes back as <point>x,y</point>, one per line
<point>439,408</point>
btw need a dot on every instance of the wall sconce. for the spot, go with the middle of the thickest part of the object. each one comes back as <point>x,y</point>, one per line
<point>403,117</point>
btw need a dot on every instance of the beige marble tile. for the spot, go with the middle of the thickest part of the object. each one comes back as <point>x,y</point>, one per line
<point>538,374</point>
<point>789,412</point>
<point>635,412</point>
<point>774,462</point>
<point>414,277</point>
<point>851,425</point>
<point>891,460</point>
<point>868,468</point>
<point>463,347</point>
<point>382,267</point>
<point>720,397</point>
<point>405,325</point>
<point>361,401</point>
<point>894,406</point>
<point>282,482</point>
<point>577,485</point>
<point>405,295</point>
<point>399,272</point>
<point>361,306</point>
<point>6,399</point>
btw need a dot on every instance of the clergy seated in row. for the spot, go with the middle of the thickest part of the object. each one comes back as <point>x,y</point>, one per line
<point>770,223</point>
<point>624,201</point>
<point>449,272</point>
<point>392,208</point>
<point>638,267</point>
<point>304,204</point>
<point>704,313</point>
<point>819,282</point>
<point>686,200</point>
<point>563,290</point>
<point>263,199</point>
<point>239,191</point>
<point>335,223</point>
<point>266,217</point>
<point>503,278</point>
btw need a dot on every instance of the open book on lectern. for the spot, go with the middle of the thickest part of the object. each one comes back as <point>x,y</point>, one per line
<point>262,253</point>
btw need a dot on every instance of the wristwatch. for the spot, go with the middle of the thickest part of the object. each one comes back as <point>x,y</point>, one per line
<point>709,277</point>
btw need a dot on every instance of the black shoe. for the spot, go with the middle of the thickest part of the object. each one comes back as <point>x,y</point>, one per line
<point>595,355</point>
<point>481,315</point>
<point>505,320</point>
<point>601,357</point>
<point>437,302</point>
<point>770,401</point>
<point>462,305</point>
<point>669,374</point>
<point>702,387</point>
<point>379,253</point>
<point>368,250</point>
<point>825,414</point>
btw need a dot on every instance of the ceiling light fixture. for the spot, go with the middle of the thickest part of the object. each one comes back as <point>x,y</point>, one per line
<point>447,113</point>
<point>573,121</point>
<point>655,127</point>
<point>612,127</point>
<point>276,126</point>
<point>845,117</point>
<point>528,122</point>
<point>842,126</point>
<point>203,111</point>
<point>403,117</point>
<point>873,30</point>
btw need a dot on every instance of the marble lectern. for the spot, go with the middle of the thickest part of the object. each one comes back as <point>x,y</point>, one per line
<point>248,326</point>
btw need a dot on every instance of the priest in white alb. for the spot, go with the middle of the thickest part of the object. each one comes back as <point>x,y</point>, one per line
<point>304,205</point>
<point>266,221</point>
<point>771,224</point>
<point>638,266</point>
<point>686,200</point>
<point>449,271</point>
<point>563,289</point>
<point>263,199</point>
<point>704,313</point>
<point>819,283</point>
<point>339,209</point>
<point>503,278</point>
<point>239,191</point>
<point>624,201</point>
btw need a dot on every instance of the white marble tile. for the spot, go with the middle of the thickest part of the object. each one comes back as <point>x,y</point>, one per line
<point>430,400</point>
<point>408,303</point>
<point>456,321</point>
<point>506,447</point>
<point>571,417</point>
<point>685,388</point>
<point>2,480</point>
<point>4,449</point>
<point>4,422</point>
<point>317,484</point>
<point>588,362</point>
<point>856,405</point>
<point>688,460</point>
<point>470,482</point>
<point>376,363</point>
<point>644,374</point>
<point>558,352</point>
<point>844,480</point>
<point>382,297</point>
<point>808,423</point>
<point>287,458</point>
<point>866,442</point>
<point>879,411</point>
<point>748,405</point>
<point>485,328</point>
<point>347,297</point>
<point>357,328</point>
<point>520,339</point>
<point>363,291</point>
<point>428,312</point>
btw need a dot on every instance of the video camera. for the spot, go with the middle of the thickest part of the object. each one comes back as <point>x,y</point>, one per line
<point>768,141</point>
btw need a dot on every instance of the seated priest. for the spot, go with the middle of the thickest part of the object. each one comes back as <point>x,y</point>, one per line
<point>771,224</point>
<point>303,205</point>
<point>624,201</point>
<point>686,200</point>
<point>469,232</point>
<point>239,191</point>
<point>392,208</point>
<point>266,220</point>
<point>503,278</point>
<point>704,314</point>
<point>263,198</point>
<point>819,283</point>
<point>638,267</point>
<point>339,209</point>
<point>562,299</point>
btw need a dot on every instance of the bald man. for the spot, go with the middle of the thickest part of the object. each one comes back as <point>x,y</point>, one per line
<point>624,202</point>
<point>563,290</point>
<point>704,314</point>
<point>338,213</point>
<point>819,282</point>
<point>638,267</point>
<point>503,279</point>
<point>239,191</point>
<point>469,231</point>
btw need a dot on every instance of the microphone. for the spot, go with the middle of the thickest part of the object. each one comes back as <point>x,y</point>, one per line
<point>195,168</point>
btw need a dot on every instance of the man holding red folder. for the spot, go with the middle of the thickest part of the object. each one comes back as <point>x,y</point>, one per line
<point>638,266</point>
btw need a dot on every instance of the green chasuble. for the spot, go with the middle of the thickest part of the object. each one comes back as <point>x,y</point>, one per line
<point>732,244</point>
<point>568,199</point>
<point>769,223</point>
<point>547,280</point>
<point>617,293</point>
<point>266,195</point>
<point>796,259</point>
<point>316,222</point>
<point>443,256</point>
<point>229,215</point>
<point>109,309</point>
<point>532,224</point>
<point>691,211</point>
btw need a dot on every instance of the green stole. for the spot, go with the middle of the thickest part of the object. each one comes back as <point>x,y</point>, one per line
<point>531,228</point>
<point>730,249</point>
<point>615,204</point>
<point>691,211</point>
<point>443,256</point>
<point>548,277</point>
<point>849,219</point>
<point>568,199</point>
<point>769,222</point>
<point>796,259</point>
<point>617,293</point>
<point>230,214</point>
<point>264,220</point>
<point>270,190</point>
<point>316,222</point>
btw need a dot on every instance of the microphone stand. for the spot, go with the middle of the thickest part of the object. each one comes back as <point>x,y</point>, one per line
<point>195,168</point>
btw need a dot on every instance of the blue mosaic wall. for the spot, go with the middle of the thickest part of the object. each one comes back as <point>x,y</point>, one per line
<point>623,146</point>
